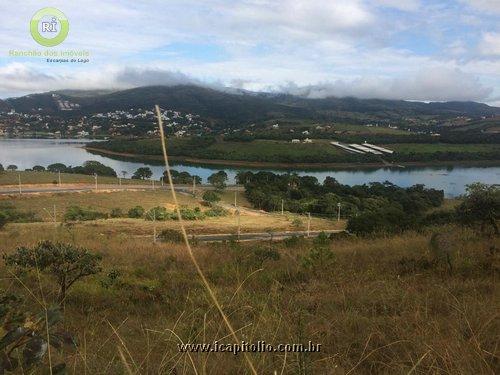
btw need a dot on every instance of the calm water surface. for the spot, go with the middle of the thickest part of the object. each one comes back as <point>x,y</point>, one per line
<point>25,153</point>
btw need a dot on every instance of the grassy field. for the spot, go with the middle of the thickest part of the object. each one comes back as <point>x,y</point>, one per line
<point>28,178</point>
<point>267,150</point>
<point>369,130</point>
<point>42,204</point>
<point>441,147</point>
<point>372,309</point>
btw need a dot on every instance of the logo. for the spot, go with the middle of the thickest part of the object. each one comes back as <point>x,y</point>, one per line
<point>49,27</point>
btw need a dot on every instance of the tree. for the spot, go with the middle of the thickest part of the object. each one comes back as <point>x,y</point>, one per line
<point>12,167</point>
<point>66,263</point>
<point>211,196</point>
<point>481,206</point>
<point>181,177</point>
<point>92,167</point>
<point>124,174</point>
<point>1,168</point>
<point>218,180</point>
<point>142,173</point>
<point>38,168</point>
<point>57,167</point>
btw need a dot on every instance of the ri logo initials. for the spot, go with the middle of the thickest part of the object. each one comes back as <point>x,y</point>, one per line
<point>50,27</point>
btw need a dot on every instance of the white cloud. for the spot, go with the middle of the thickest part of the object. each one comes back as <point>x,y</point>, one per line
<point>490,44</point>
<point>427,85</point>
<point>485,5</point>
<point>406,5</point>
<point>265,43</point>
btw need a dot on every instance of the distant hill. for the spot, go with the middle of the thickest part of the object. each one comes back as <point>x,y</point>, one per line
<point>240,107</point>
<point>4,106</point>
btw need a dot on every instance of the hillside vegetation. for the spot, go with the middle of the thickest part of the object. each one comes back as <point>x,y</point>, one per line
<point>275,151</point>
<point>385,305</point>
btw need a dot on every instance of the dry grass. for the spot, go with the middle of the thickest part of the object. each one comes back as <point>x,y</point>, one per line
<point>43,178</point>
<point>369,315</point>
<point>102,201</point>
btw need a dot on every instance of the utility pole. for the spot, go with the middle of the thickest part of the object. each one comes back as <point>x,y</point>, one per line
<point>194,186</point>
<point>95,177</point>
<point>154,226</point>
<point>235,198</point>
<point>20,187</point>
<point>239,224</point>
<point>120,181</point>
<point>308,224</point>
<point>338,213</point>
<point>161,180</point>
<point>282,207</point>
<point>59,177</point>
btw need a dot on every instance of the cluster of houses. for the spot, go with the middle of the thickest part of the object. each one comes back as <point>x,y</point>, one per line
<point>130,122</point>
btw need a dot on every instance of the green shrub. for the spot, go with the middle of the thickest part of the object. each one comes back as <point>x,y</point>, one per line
<point>3,219</point>
<point>116,212</point>
<point>66,263</point>
<point>263,253</point>
<point>158,213</point>
<point>297,223</point>
<point>211,196</point>
<point>12,215</point>
<point>320,258</point>
<point>136,212</point>
<point>191,214</point>
<point>76,213</point>
<point>216,211</point>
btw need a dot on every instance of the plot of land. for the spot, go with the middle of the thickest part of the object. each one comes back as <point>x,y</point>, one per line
<point>250,221</point>
<point>33,178</point>
<point>441,147</point>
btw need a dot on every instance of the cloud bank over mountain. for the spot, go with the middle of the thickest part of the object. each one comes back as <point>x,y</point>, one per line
<point>405,49</point>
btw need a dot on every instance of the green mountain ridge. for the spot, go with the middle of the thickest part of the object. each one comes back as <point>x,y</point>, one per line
<point>229,107</point>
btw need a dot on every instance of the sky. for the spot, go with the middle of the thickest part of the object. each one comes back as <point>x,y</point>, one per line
<point>392,49</point>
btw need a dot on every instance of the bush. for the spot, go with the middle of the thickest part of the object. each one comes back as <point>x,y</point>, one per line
<point>136,212</point>
<point>389,219</point>
<point>66,263</point>
<point>170,235</point>
<point>320,258</point>
<point>3,219</point>
<point>76,213</point>
<point>14,216</point>
<point>158,213</point>
<point>116,212</point>
<point>297,223</point>
<point>440,217</point>
<point>216,211</point>
<point>211,196</point>
<point>191,214</point>
<point>481,207</point>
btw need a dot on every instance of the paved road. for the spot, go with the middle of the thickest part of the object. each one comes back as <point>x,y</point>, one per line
<point>273,236</point>
<point>75,188</point>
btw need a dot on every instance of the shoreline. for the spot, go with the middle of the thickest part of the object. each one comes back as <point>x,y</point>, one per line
<point>279,165</point>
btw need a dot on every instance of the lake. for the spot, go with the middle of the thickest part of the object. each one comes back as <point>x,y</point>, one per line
<point>25,153</point>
